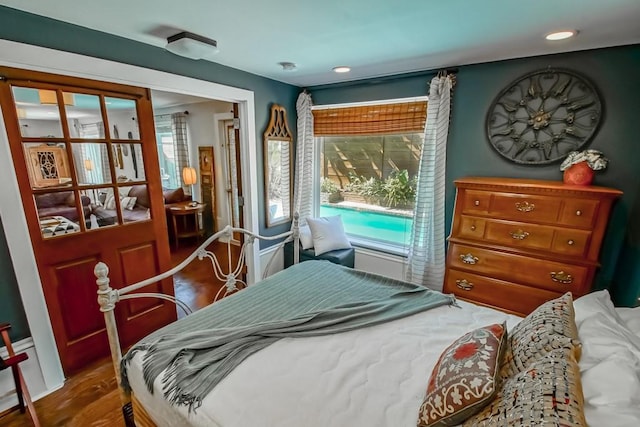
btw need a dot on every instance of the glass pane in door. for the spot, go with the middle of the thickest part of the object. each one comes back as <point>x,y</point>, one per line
<point>123,118</point>
<point>47,165</point>
<point>128,162</point>
<point>38,113</point>
<point>84,116</point>
<point>91,161</point>
<point>58,213</point>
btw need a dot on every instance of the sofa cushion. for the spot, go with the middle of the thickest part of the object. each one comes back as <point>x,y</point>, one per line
<point>141,194</point>
<point>174,195</point>
<point>49,200</point>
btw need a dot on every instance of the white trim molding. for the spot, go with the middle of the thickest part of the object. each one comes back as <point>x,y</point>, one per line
<point>20,55</point>
<point>30,370</point>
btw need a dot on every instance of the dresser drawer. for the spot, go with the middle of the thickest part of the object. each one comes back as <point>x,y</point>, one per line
<point>476,202</point>
<point>579,213</point>
<point>571,242</point>
<point>519,235</point>
<point>471,227</point>
<point>496,293</point>
<point>539,273</point>
<point>562,241</point>
<point>526,208</point>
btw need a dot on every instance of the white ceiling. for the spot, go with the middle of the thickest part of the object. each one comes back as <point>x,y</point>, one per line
<point>374,37</point>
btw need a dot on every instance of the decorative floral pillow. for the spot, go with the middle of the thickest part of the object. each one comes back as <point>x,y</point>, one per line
<point>547,393</point>
<point>465,379</point>
<point>550,326</point>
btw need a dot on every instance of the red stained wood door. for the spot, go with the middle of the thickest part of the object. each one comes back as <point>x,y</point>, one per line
<point>87,167</point>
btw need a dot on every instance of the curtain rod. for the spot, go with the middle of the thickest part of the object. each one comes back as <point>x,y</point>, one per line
<point>168,114</point>
<point>423,98</point>
<point>382,79</point>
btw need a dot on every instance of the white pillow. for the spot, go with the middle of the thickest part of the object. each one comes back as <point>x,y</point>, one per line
<point>328,234</point>
<point>593,303</point>
<point>610,363</point>
<point>631,316</point>
<point>306,239</point>
<point>110,202</point>
<point>128,202</point>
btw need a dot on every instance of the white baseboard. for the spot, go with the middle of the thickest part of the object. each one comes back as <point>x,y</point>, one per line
<point>278,260</point>
<point>30,370</point>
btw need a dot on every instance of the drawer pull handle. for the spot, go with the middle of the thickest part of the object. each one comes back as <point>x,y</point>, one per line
<point>464,285</point>
<point>473,228</point>
<point>525,206</point>
<point>476,202</point>
<point>561,277</point>
<point>570,242</point>
<point>578,213</point>
<point>468,258</point>
<point>519,234</point>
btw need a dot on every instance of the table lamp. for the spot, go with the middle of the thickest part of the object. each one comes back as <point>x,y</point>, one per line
<point>189,177</point>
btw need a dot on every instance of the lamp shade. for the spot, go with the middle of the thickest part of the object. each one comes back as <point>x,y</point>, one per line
<point>88,164</point>
<point>189,176</point>
<point>191,45</point>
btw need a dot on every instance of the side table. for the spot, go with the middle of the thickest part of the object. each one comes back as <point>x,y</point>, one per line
<point>190,224</point>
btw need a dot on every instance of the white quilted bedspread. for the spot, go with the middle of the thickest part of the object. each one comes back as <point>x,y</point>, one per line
<point>371,377</point>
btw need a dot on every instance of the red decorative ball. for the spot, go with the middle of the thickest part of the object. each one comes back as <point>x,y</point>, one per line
<point>578,174</point>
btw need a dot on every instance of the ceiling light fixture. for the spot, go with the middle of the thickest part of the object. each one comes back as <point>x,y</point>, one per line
<point>287,66</point>
<point>561,35</point>
<point>49,97</point>
<point>191,45</point>
<point>342,69</point>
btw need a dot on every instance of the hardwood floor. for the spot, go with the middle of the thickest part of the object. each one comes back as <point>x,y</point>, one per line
<point>90,398</point>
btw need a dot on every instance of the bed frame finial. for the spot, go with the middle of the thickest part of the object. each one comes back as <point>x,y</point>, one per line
<point>107,297</point>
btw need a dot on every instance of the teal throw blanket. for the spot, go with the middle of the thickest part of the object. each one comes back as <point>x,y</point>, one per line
<point>309,299</point>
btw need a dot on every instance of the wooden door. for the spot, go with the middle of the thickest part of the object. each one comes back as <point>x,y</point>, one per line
<point>87,168</point>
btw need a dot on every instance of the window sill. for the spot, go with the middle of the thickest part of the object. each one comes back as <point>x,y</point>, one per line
<point>386,248</point>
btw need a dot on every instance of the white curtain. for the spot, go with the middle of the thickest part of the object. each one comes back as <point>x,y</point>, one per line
<point>426,260</point>
<point>303,187</point>
<point>180,146</point>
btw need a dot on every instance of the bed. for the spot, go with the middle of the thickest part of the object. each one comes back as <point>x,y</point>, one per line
<point>379,373</point>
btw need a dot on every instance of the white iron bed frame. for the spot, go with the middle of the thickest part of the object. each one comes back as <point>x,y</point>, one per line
<point>108,297</point>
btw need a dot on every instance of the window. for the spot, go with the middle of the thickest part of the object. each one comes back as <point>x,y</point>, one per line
<point>368,167</point>
<point>166,152</point>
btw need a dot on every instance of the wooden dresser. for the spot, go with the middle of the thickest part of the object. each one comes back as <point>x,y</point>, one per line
<point>517,243</point>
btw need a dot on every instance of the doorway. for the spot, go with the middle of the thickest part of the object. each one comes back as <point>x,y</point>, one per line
<point>89,194</point>
<point>37,58</point>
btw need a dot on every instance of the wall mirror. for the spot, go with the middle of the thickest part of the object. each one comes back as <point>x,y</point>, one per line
<point>277,167</point>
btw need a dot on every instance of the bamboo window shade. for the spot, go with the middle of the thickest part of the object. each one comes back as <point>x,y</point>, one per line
<point>406,117</point>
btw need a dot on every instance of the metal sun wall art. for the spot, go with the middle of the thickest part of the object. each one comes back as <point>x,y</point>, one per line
<point>543,116</point>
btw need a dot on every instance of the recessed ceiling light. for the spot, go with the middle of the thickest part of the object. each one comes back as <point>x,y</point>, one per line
<point>561,35</point>
<point>342,69</point>
<point>287,66</point>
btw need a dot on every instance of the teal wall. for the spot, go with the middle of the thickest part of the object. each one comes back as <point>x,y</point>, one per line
<point>614,73</point>
<point>10,305</point>
<point>36,30</point>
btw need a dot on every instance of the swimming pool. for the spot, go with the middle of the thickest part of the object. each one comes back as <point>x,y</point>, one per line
<point>374,225</point>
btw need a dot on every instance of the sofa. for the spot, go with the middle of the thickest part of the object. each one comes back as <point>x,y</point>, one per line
<point>61,203</point>
<point>135,202</point>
